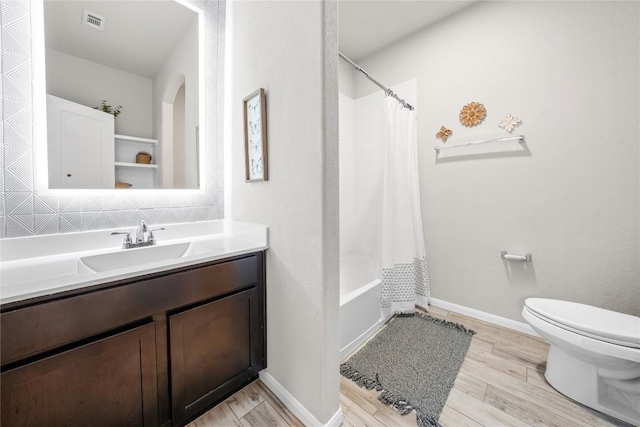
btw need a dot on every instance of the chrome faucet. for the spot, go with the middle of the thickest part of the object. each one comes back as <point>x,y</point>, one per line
<point>140,241</point>
<point>142,228</point>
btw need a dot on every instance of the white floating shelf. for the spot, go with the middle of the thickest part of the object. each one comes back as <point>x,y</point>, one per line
<point>135,165</point>
<point>135,139</point>
<point>519,138</point>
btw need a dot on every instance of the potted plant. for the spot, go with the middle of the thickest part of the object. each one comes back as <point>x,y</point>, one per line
<point>109,109</point>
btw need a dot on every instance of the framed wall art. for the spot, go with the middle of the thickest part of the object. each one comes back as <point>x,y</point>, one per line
<point>255,137</point>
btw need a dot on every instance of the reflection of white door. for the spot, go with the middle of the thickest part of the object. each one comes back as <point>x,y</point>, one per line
<point>80,145</point>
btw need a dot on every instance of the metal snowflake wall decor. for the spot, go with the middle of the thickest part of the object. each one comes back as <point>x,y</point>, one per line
<point>509,123</point>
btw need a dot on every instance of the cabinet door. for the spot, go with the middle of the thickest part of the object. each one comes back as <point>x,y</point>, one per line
<point>214,348</point>
<point>111,382</point>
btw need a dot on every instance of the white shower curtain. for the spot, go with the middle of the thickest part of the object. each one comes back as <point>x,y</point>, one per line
<point>405,276</point>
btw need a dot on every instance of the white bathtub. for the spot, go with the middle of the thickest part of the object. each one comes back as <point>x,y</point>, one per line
<point>360,313</point>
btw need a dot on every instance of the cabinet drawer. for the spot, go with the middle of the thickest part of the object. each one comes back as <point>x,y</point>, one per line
<point>55,323</point>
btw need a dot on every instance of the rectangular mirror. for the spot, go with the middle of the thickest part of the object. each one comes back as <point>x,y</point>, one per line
<point>123,96</point>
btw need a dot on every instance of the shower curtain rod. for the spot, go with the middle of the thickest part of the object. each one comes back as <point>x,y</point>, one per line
<point>377,83</point>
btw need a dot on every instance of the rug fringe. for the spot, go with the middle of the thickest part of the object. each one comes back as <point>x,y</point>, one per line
<point>426,421</point>
<point>402,405</point>
<point>446,323</point>
<point>407,313</point>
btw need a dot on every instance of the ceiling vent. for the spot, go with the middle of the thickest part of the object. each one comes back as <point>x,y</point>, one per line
<point>92,20</point>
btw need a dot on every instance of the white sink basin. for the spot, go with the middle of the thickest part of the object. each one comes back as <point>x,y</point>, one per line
<point>38,266</point>
<point>133,257</point>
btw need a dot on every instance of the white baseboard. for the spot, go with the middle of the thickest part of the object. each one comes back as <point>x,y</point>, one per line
<point>335,420</point>
<point>348,349</point>
<point>487,317</point>
<point>297,408</point>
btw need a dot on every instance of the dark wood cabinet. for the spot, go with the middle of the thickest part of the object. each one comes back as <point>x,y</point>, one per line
<point>153,350</point>
<point>109,382</point>
<point>213,348</point>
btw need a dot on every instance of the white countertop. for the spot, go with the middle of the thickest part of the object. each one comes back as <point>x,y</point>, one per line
<point>44,265</point>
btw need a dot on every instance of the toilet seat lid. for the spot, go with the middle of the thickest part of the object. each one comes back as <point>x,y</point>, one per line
<point>592,321</point>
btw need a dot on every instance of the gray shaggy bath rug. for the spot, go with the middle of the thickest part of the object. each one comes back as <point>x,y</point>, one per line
<point>413,362</point>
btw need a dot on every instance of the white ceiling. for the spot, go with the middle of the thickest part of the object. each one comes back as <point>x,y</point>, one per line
<point>367,26</point>
<point>139,35</point>
<point>137,38</point>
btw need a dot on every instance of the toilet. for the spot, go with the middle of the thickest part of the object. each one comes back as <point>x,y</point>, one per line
<point>594,354</point>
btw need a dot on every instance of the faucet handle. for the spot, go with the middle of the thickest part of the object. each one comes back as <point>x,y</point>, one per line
<point>152,239</point>
<point>127,240</point>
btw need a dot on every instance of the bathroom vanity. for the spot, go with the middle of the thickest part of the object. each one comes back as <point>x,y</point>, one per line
<point>153,347</point>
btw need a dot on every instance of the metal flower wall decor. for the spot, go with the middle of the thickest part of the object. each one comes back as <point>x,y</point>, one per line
<point>444,134</point>
<point>472,114</point>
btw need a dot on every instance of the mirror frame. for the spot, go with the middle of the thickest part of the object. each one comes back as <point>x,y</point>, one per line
<point>39,119</point>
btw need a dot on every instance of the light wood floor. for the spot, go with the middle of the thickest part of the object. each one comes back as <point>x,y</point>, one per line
<point>501,383</point>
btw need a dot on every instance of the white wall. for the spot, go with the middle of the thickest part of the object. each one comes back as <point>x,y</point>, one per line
<point>369,129</point>
<point>179,166</point>
<point>346,76</point>
<point>183,61</point>
<point>290,50</point>
<point>88,83</point>
<point>570,71</point>
<point>347,174</point>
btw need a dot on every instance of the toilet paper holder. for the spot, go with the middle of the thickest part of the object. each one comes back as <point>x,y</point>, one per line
<point>517,258</point>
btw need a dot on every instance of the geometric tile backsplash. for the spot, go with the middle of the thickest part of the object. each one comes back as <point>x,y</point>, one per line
<point>25,212</point>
